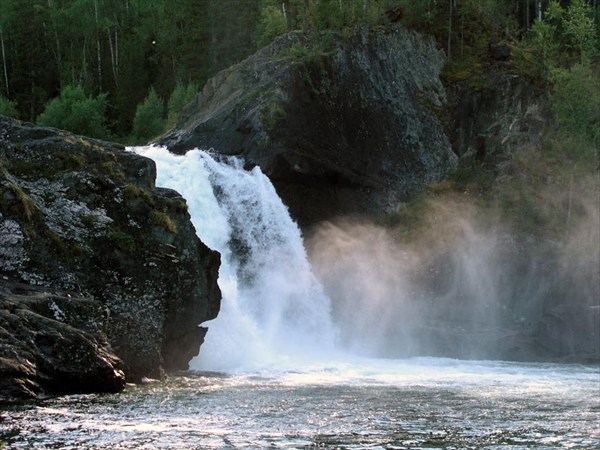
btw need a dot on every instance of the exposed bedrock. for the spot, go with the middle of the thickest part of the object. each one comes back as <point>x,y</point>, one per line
<point>349,129</point>
<point>85,217</point>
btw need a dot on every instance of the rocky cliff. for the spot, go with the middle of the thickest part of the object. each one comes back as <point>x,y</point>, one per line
<point>349,126</point>
<point>493,119</point>
<point>85,217</point>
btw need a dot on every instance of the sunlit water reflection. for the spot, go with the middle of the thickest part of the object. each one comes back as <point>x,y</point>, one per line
<point>417,403</point>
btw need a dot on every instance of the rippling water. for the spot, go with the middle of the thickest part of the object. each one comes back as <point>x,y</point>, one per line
<point>416,403</point>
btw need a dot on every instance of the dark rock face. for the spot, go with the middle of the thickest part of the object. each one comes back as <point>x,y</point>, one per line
<point>499,51</point>
<point>84,216</point>
<point>55,342</point>
<point>352,130</point>
<point>551,288</point>
<point>489,124</point>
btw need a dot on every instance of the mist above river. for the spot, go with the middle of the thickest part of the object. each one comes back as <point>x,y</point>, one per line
<point>463,285</point>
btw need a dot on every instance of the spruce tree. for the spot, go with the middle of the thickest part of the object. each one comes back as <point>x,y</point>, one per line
<point>149,119</point>
<point>7,107</point>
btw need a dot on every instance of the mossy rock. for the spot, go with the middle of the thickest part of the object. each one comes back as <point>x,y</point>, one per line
<point>163,220</point>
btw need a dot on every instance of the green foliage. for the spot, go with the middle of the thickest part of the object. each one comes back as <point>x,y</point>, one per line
<point>72,162</point>
<point>163,220</point>
<point>178,205</point>
<point>542,188</point>
<point>122,240</point>
<point>272,24</point>
<point>575,100</point>
<point>301,52</point>
<point>118,47</point>
<point>463,29</point>
<point>7,107</point>
<point>328,15</point>
<point>337,15</point>
<point>470,178</point>
<point>564,34</point>
<point>123,48</point>
<point>112,169</point>
<point>134,192</point>
<point>316,15</point>
<point>544,43</point>
<point>181,96</point>
<point>272,115</point>
<point>76,112</point>
<point>263,142</point>
<point>148,121</point>
<point>579,28</point>
<point>406,221</point>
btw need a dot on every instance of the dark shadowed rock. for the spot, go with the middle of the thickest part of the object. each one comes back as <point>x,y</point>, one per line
<point>84,216</point>
<point>351,129</point>
<point>53,342</point>
<point>530,310</point>
<point>499,51</point>
<point>491,122</point>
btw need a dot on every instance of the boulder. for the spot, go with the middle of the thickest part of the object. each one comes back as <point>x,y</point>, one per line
<point>342,125</point>
<point>499,51</point>
<point>84,216</point>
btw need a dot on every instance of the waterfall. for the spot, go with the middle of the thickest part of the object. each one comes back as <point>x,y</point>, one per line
<point>273,309</point>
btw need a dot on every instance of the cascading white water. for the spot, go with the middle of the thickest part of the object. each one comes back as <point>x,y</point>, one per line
<point>273,307</point>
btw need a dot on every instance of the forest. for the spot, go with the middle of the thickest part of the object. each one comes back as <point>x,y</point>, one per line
<point>123,69</point>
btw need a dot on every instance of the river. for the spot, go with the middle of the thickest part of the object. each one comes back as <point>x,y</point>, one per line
<point>357,404</point>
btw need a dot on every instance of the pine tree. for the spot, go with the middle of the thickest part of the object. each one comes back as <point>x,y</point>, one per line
<point>7,108</point>
<point>149,121</point>
<point>181,96</point>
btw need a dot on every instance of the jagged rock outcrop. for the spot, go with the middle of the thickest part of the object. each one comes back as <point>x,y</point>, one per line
<point>85,216</point>
<point>352,129</point>
<point>55,342</point>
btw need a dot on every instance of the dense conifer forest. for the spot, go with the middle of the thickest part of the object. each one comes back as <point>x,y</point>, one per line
<point>123,69</point>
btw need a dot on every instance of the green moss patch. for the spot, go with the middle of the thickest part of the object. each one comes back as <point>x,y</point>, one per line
<point>134,192</point>
<point>122,240</point>
<point>163,220</point>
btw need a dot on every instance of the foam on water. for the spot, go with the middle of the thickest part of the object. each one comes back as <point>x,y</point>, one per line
<point>273,308</point>
<point>356,404</point>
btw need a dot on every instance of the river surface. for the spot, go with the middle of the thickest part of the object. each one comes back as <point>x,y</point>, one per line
<point>356,404</point>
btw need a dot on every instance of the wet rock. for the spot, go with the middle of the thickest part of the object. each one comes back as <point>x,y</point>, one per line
<point>84,216</point>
